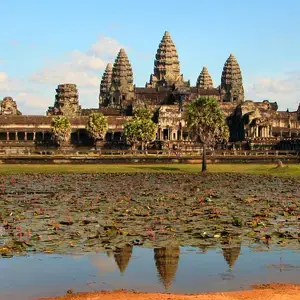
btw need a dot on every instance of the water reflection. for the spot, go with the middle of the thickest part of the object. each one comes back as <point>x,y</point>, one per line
<point>122,257</point>
<point>178,270</point>
<point>166,261</point>
<point>231,254</point>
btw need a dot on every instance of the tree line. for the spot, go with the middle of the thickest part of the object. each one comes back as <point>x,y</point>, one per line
<point>205,121</point>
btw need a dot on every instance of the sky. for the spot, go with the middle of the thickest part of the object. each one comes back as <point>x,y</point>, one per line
<point>50,42</point>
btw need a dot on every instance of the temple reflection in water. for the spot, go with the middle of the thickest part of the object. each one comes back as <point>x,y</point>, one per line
<point>166,260</point>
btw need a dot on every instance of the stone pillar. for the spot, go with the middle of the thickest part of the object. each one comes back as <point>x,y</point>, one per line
<point>43,135</point>
<point>7,136</point>
<point>34,136</point>
<point>16,135</point>
<point>25,136</point>
<point>281,133</point>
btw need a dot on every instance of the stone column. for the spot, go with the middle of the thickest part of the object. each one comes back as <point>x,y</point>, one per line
<point>43,135</point>
<point>78,137</point>
<point>16,135</point>
<point>25,136</point>
<point>34,136</point>
<point>7,136</point>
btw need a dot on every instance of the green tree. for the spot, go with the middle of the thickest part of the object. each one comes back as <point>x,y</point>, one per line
<point>96,127</point>
<point>140,129</point>
<point>142,113</point>
<point>207,125</point>
<point>61,129</point>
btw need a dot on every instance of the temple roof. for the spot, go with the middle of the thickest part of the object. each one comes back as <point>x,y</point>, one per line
<point>106,78</point>
<point>122,72</point>
<point>231,72</point>
<point>46,121</point>
<point>166,64</point>
<point>204,80</point>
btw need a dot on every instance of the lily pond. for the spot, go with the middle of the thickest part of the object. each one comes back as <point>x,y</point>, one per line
<point>85,232</point>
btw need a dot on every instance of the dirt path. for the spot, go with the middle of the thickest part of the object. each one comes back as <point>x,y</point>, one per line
<point>264,292</point>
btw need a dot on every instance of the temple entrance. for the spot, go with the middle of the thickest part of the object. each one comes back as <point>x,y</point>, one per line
<point>166,134</point>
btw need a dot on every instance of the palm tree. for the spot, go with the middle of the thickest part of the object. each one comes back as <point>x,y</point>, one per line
<point>206,122</point>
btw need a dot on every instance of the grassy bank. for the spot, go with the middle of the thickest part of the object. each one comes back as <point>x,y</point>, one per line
<point>289,170</point>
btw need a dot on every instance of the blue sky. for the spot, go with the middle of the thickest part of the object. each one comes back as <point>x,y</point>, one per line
<point>45,43</point>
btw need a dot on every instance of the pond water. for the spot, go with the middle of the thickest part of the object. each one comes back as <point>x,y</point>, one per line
<point>178,270</point>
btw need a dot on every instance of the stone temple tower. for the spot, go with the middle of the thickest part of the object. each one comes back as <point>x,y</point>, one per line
<point>122,89</point>
<point>66,101</point>
<point>204,80</point>
<point>166,64</point>
<point>231,81</point>
<point>105,86</point>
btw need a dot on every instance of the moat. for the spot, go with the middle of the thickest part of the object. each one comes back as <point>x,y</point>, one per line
<point>86,232</point>
<point>190,271</point>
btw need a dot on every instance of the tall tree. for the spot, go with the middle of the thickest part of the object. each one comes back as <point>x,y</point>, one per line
<point>96,127</point>
<point>140,129</point>
<point>61,129</point>
<point>207,125</point>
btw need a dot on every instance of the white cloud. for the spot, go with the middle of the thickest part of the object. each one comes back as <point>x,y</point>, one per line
<point>63,74</point>
<point>29,99</point>
<point>3,77</point>
<point>82,68</point>
<point>105,47</point>
<point>285,90</point>
<point>87,62</point>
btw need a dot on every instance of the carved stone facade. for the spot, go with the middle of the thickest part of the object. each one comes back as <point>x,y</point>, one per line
<point>204,80</point>
<point>66,101</point>
<point>166,65</point>
<point>122,89</point>
<point>231,81</point>
<point>166,95</point>
<point>8,107</point>
<point>105,86</point>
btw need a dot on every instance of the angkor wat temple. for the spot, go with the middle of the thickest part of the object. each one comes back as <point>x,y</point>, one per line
<point>166,94</point>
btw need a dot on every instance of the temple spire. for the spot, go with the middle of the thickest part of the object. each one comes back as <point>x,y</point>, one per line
<point>231,81</point>
<point>166,64</point>
<point>122,72</point>
<point>105,85</point>
<point>204,80</point>
<point>122,89</point>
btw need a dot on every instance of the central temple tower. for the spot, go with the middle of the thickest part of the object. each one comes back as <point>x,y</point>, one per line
<point>166,64</point>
